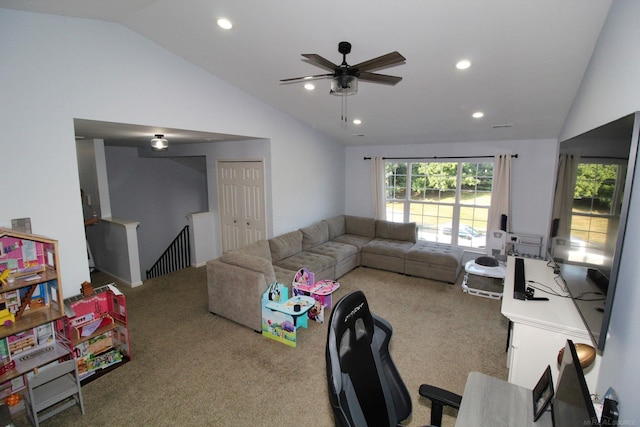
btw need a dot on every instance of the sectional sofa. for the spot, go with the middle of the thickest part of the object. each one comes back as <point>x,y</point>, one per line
<point>330,249</point>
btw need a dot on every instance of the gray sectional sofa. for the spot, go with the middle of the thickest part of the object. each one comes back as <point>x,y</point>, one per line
<point>330,249</point>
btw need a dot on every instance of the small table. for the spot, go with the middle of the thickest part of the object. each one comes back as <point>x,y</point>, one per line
<point>288,307</point>
<point>490,402</point>
<point>322,289</point>
<point>471,268</point>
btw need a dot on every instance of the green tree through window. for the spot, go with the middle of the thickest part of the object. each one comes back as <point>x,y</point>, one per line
<point>448,200</point>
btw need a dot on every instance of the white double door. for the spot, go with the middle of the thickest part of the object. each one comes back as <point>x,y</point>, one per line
<point>241,203</point>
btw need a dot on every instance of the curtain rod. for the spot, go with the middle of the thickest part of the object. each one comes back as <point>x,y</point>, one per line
<point>436,157</point>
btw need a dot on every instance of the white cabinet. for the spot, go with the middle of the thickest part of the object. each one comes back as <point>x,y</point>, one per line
<point>539,329</point>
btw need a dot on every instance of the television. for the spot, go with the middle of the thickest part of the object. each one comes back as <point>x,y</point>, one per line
<point>590,217</point>
<point>572,404</point>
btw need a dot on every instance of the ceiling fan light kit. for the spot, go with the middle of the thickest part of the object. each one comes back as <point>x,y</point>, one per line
<point>344,85</point>
<point>159,143</point>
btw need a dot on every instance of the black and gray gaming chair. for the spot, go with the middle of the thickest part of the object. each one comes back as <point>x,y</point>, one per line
<point>365,387</point>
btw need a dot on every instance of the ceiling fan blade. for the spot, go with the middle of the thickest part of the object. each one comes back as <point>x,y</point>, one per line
<point>320,61</point>
<point>299,79</point>
<point>379,78</point>
<point>383,61</point>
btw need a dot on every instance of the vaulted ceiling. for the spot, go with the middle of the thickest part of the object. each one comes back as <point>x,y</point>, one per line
<point>527,59</point>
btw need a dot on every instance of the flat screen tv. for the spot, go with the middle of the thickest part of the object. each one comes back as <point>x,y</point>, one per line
<point>572,404</point>
<point>593,188</point>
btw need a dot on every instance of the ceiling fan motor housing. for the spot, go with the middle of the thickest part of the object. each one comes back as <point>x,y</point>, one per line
<point>344,48</point>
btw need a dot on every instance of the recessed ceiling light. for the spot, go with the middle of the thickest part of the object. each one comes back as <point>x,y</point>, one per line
<point>309,86</point>
<point>478,115</point>
<point>357,121</point>
<point>463,64</point>
<point>224,23</point>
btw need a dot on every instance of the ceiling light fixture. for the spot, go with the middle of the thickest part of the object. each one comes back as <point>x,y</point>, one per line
<point>478,115</point>
<point>159,143</point>
<point>344,85</point>
<point>357,121</point>
<point>309,86</point>
<point>463,64</point>
<point>224,23</point>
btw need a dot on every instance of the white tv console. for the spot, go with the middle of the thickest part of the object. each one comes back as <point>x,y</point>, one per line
<point>539,329</point>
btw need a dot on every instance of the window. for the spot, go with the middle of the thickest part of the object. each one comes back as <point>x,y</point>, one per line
<point>597,201</point>
<point>449,201</point>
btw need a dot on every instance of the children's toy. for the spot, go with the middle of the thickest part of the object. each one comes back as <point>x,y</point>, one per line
<point>303,284</point>
<point>7,318</point>
<point>4,276</point>
<point>303,277</point>
<point>86,289</point>
<point>281,319</point>
<point>13,400</point>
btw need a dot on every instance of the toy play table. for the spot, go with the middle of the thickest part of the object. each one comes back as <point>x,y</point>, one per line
<point>288,307</point>
<point>322,290</point>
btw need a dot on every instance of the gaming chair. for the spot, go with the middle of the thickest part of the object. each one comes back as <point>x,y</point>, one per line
<point>365,387</point>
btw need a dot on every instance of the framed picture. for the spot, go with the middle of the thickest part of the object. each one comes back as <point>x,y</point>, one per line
<point>542,394</point>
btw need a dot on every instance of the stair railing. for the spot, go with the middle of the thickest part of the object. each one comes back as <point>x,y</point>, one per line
<point>176,257</point>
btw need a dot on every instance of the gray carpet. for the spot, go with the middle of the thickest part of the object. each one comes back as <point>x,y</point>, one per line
<point>191,368</point>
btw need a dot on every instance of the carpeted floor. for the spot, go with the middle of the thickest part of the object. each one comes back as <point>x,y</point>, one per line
<point>191,368</point>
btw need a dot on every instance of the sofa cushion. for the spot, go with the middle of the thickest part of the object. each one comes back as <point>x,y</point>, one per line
<point>352,239</point>
<point>314,235</point>
<point>387,247</point>
<point>336,250</point>
<point>436,253</point>
<point>253,263</point>
<point>315,263</point>
<point>285,245</point>
<point>396,230</point>
<point>360,225</point>
<point>260,249</point>
<point>284,275</point>
<point>336,226</point>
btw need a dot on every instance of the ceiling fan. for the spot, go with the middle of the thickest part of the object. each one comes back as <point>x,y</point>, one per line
<point>345,77</point>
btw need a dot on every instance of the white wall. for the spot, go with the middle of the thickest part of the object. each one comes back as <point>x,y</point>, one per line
<point>533,176</point>
<point>611,89</point>
<point>55,69</point>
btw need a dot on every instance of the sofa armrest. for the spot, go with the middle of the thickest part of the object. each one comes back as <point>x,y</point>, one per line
<point>236,293</point>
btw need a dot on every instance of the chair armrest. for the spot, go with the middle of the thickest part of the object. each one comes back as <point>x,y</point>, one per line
<point>439,398</point>
<point>440,395</point>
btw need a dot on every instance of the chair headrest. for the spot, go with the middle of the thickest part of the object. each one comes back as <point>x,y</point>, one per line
<point>352,314</point>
